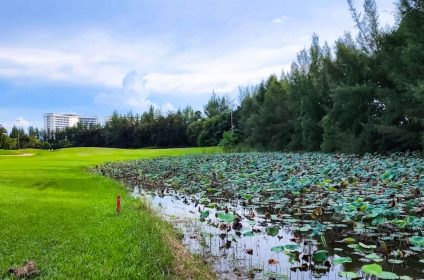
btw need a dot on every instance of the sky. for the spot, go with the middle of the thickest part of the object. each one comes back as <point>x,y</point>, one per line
<point>92,57</point>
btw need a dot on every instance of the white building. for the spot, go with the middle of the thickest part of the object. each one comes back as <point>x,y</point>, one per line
<point>89,121</point>
<point>54,121</point>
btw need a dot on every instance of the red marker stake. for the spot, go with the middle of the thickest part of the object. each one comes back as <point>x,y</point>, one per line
<point>118,204</point>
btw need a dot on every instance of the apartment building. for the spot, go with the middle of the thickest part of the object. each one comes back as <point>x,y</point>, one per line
<point>88,121</point>
<point>55,121</point>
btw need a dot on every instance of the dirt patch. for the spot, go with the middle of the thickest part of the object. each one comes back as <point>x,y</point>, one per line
<point>187,266</point>
<point>21,155</point>
<point>29,269</point>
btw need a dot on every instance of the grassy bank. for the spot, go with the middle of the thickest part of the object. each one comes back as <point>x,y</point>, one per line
<point>53,212</point>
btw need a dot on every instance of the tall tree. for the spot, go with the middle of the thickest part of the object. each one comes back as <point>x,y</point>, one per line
<point>216,105</point>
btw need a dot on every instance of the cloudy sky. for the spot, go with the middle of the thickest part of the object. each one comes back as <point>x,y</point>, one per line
<point>95,56</point>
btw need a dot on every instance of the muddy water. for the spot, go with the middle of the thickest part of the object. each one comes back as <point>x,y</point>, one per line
<point>235,256</point>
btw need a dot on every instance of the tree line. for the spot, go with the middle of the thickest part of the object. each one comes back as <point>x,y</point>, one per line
<point>364,94</point>
<point>153,128</point>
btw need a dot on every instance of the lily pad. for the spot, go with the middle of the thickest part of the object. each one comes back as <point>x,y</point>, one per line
<point>226,217</point>
<point>374,257</point>
<point>395,261</point>
<point>204,215</point>
<point>372,269</point>
<point>348,275</point>
<point>292,247</point>
<point>273,231</point>
<point>349,240</point>
<point>320,256</point>
<point>417,240</point>
<point>278,249</point>
<point>248,233</point>
<point>387,275</point>
<point>365,246</point>
<point>342,260</point>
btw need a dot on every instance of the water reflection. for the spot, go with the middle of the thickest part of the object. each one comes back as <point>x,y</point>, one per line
<point>245,252</point>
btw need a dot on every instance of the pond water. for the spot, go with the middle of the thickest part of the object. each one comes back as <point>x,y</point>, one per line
<point>246,250</point>
<point>291,215</point>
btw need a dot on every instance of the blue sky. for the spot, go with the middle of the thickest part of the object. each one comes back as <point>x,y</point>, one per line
<point>94,57</point>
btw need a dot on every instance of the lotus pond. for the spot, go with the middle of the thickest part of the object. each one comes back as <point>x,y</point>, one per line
<point>291,215</point>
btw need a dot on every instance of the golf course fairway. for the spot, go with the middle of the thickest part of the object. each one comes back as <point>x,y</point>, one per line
<point>56,213</point>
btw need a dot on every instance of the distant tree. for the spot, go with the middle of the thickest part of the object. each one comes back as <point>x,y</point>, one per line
<point>216,105</point>
<point>5,141</point>
<point>213,129</point>
<point>193,132</point>
<point>367,25</point>
<point>230,140</point>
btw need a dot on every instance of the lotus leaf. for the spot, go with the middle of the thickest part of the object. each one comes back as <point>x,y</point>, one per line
<point>278,248</point>
<point>367,246</point>
<point>226,217</point>
<point>372,269</point>
<point>204,214</point>
<point>394,261</point>
<point>320,256</point>
<point>387,275</point>
<point>348,275</point>
<point>342,260</point>
<point>417,240</point>
<point>374,196</point>
<point>272,231</point>
<point>248,233</point>
<point>292,247</point>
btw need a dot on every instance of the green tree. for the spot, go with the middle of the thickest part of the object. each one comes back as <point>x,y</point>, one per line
<point>230,140</point>
<point>216,105</point>
<point>5,141</point>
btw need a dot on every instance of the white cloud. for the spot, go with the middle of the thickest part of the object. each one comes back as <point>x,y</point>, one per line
<point>132,95</point>
<point>167,107</point>
<point>21,122</point>
<point>54,65</point>
<point>245,55</point>
<point>100,60</point>
<point>279,20</point>
<point>202,72</point>
<point>28,116</point>
<point>91,58</point>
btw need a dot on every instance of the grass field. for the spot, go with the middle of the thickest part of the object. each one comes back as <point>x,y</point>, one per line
<point>54,212</point>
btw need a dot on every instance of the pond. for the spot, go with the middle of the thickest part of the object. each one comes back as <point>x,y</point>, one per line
<point>328,216</point>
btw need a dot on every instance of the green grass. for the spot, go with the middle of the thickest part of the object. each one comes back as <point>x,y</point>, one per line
<point>54,212</point>
<point>17,152</point>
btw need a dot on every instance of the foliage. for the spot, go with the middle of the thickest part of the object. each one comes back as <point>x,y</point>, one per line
<point>5,141</point>
<point>372,269</point>
<point>230,140</point>
<point>216,106</point>
<point>151,129</point>
<point>213,129</point>
<point>361,96</point>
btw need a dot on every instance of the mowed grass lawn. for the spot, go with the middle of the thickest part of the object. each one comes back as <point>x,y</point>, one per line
<point>53,211</point>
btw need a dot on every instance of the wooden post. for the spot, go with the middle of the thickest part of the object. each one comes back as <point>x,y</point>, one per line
<point>118,204</point>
